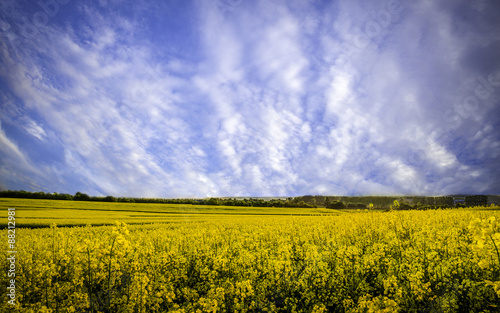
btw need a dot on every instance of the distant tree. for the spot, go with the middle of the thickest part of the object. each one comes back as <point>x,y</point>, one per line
<point>213,201</point>
<point>308,199</point>
<point>301,204</point>
<point>336,205</point>
<point>405,206</point>
<point>356,206</point>
<point>65,196</point>
<point>476,200</point>
<point>327,202</point>
<point>109,199</point>
<point>81,196</point>
<point>319,199</point>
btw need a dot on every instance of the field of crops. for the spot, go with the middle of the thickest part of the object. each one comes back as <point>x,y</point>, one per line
<point>213,259</point>
<point>42,213</point>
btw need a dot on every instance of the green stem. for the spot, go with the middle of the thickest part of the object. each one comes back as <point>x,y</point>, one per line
<point>46,295</point>
<point>496,248</point>
<point>89,274</point>
<point>109,273</point>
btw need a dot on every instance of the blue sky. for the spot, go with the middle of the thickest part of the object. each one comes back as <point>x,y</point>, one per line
<point>250,98</point>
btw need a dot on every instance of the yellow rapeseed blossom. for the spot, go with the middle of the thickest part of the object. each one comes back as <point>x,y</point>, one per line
<point>397,261</point>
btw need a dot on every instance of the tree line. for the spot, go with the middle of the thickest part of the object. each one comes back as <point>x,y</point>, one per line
<point>386,202</point>
<point>79,196</point>
<point>308,201</point>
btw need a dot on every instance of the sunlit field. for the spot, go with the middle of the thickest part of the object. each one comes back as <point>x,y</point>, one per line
<point>186,258</point>
<point>42,213</point>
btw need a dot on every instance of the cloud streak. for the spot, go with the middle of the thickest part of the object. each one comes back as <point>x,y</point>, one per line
<point>255,99</point>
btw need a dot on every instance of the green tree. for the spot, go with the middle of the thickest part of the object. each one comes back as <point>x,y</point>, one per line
<point>81,196</point>
<point>213,201</point>
<point>109,199</point>
<point>336,205</point>
<point>327,202</point>
<point>476,200</point>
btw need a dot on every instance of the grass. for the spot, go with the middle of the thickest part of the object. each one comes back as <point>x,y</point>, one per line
<point>42,213</point>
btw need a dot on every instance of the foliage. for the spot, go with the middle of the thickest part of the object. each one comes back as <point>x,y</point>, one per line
<point>385,202</point>
<point>308,201</point>
<point>289,203</point>
<point>337,205</point>
<point>476,200</point>
<point>356,206</point>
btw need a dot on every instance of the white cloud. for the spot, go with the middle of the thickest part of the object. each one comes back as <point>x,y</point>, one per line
<point>10,148</point>
<point>265,107</point>
<point>16,167</point>
<point>35,130</point>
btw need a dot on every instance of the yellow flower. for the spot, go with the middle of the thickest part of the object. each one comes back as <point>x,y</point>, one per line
<point>483,263</point>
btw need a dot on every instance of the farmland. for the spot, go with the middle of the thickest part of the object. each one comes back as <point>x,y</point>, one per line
<point>128,257</point>
<point>42,213</point>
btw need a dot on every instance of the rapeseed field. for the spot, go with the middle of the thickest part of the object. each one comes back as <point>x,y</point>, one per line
<point>365,261</point>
